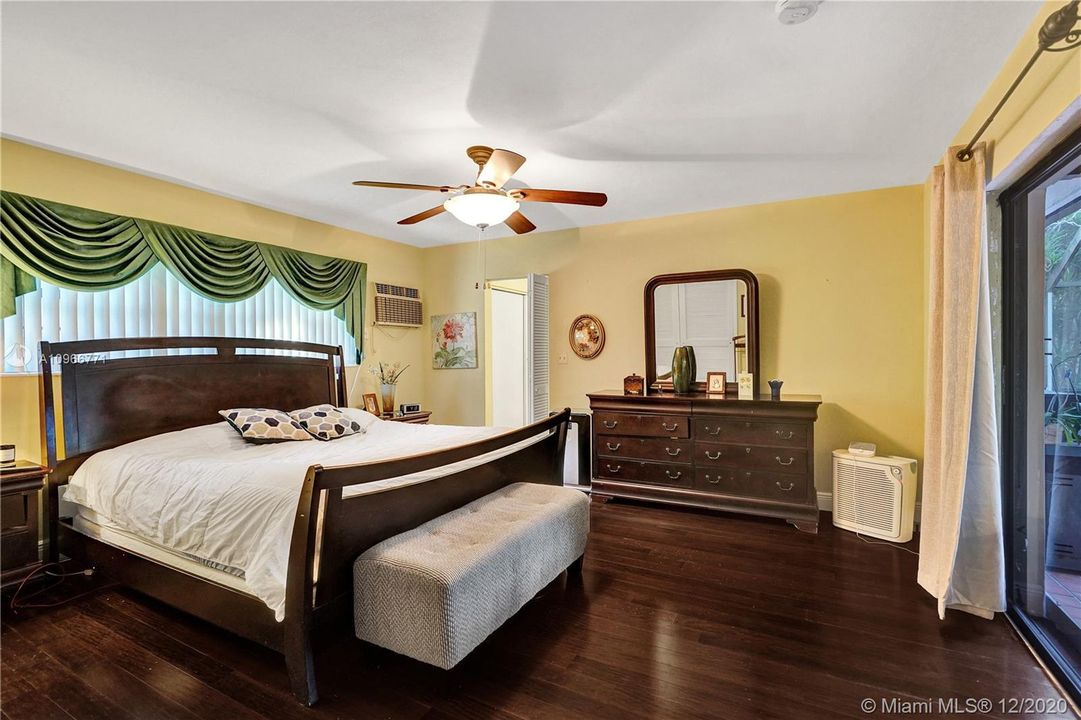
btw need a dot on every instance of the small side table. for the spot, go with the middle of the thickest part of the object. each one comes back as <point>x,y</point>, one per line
<point>416,418</point>
<point>21,489</point>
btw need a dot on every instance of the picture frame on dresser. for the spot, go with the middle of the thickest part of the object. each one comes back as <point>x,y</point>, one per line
<point>717,383</point>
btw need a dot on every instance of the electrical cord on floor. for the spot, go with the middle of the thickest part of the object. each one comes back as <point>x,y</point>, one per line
<point>18,603</point>
<point>893,545</point>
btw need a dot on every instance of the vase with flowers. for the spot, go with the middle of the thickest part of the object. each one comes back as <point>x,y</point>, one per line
<point>388,374</point>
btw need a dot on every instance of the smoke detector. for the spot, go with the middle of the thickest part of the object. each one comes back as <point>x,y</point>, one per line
<point>793,12</point>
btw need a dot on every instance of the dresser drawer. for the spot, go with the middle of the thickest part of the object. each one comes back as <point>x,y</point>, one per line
<point>767,485</point>
<point>750,457</point>
<point>665,450</point>
<point>669,426</point>
<point>751,433</point>
<point>646,472</point>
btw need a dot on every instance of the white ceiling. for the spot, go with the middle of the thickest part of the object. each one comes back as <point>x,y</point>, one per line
<point>667,107</point>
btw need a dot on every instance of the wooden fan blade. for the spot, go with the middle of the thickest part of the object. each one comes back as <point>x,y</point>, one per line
<point>519,223</point>
<point>402,186</point>
<point>570,197</point>
<point>499,168</point>
<point>421,216</point>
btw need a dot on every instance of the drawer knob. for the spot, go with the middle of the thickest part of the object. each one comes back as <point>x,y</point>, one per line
<point>786,464</point>
<point>713,481</point>
<point>784,434</point>
<point>615,447</point>
<point>672,452</point>
<point>669,429</point>
<point>677,476</point>
<point>615,469</point>
<point>786,489</point>
<point>712,431</point>
<point>611,423</point>
<point>711,456</point>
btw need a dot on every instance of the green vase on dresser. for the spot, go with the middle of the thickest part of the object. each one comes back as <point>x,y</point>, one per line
<point>683,368</point>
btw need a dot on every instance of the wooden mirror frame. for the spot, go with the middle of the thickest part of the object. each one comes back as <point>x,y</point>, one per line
<point>747,277</point>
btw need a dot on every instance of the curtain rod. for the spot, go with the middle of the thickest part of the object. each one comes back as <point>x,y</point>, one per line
<point>1058,27</point>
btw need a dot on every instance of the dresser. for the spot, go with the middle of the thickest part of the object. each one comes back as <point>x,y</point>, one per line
<point>699,450</point>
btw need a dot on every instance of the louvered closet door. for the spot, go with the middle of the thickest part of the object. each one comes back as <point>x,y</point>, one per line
<point>537,360</point>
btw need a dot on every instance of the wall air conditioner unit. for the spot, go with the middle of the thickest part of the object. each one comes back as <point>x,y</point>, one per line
<point>396,305</point>
<point>874,496</point>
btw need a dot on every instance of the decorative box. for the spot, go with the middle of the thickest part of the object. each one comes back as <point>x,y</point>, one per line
<point>634,385</point>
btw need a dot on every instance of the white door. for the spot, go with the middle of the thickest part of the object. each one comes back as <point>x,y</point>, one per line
<point>508,358</point>
<point>537,352</point>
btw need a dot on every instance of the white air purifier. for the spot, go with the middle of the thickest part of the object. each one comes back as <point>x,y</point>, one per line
<point>874,496</point>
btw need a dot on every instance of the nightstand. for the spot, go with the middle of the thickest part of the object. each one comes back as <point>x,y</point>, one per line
<point>21,490</point>
<point>415,418</point>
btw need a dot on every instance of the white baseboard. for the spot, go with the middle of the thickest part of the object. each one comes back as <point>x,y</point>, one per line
<point>825,502</point>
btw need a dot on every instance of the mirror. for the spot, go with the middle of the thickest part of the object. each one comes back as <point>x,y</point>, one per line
<point>715,312</point>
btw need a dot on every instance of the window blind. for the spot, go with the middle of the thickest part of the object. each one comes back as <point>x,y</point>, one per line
<point>157,304</point>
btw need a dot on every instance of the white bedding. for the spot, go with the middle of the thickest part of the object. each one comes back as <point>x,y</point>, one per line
<point>208,494</point>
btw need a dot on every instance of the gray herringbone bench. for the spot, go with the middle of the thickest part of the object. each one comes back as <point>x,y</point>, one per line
<point>436,592</point>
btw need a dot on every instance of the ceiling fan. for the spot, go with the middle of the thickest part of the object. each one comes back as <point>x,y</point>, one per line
<point>486,202</point>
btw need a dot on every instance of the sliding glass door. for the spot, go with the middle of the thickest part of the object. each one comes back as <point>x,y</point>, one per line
<point>1042,401</point>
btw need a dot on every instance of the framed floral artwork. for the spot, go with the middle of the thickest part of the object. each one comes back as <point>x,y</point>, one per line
<point>454,341</point>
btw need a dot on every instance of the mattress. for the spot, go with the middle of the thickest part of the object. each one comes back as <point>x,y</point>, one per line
<point>207,497</point>
<point>93,525</point>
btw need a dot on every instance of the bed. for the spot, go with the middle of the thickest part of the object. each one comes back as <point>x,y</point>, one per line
<point>258,539</point>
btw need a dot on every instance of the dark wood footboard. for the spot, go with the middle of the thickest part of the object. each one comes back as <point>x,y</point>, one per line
<point>330,531</point>
<point>107,400</point>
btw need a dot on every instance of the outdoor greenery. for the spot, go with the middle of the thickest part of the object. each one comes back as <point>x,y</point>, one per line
<point>1063,277</point>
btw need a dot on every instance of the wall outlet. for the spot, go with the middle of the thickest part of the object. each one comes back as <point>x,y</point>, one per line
<point>562,359</point>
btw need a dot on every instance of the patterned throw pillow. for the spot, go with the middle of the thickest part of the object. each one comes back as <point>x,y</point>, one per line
<point>262,425</point>
<point>326,422</point>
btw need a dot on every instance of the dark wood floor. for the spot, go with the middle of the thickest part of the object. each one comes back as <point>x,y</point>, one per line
<point>679,615</point>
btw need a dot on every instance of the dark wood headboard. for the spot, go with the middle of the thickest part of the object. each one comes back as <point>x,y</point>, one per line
<point>108,399</point>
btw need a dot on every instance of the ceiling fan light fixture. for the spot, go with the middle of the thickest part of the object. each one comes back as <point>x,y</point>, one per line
<point>481,207</point>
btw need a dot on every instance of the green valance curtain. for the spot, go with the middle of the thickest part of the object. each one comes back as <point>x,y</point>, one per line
<point>84,249</point>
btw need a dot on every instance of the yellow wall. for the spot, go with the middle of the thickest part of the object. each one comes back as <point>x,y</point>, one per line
<point>841,305</point>
<point>53,176</point>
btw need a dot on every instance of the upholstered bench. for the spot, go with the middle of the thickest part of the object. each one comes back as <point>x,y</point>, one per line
<point>436,592</point>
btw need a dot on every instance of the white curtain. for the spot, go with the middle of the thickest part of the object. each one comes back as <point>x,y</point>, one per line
<point>961,553</point>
